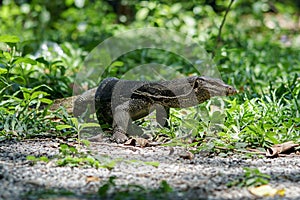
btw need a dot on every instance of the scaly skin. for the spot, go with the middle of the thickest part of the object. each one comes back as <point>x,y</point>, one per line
<point>119,102</point>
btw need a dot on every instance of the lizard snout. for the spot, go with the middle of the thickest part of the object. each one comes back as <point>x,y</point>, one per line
<point>231,91</point>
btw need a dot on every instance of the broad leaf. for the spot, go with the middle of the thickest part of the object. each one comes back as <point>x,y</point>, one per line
<point>9,38</point>
<point>63,126</point>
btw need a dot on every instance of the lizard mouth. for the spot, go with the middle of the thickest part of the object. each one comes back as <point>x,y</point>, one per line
<point>231,91</point>
<point>221,90</point>
<point>214,87</point>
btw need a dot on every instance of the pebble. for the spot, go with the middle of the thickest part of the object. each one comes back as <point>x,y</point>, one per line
<point>201,177</point>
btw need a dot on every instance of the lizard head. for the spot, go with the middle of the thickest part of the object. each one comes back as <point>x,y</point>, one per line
<point>212,87</point>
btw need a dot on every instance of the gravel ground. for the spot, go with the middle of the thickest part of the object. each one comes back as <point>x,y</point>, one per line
<point>203,177</point>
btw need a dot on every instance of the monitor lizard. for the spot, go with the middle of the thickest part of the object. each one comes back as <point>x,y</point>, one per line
<point>119,102</point>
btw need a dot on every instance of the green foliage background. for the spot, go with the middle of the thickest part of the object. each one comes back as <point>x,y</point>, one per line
<point>45,43</point>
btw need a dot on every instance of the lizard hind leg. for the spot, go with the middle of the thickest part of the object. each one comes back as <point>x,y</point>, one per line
<point>121,121</point>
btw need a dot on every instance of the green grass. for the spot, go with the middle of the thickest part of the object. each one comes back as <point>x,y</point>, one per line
<point>108,190</point>
<point>251,177</point>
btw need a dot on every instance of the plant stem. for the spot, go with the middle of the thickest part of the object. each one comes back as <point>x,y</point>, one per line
<point>222,24</point>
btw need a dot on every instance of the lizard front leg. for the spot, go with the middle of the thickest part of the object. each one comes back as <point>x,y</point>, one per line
<point>121,120</point>
<point>123,116</point>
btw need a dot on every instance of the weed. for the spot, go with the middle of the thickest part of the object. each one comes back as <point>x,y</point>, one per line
<point>109,190</point>
<point>251,177</point>
<point>23,116</point>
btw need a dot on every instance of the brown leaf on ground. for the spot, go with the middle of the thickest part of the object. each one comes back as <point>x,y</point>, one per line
<point>137,142</point>
<point>266,191</point>
<point>187,155</point>
<point>277,149</point>
<point>141,142</point>
<point>92,179</point>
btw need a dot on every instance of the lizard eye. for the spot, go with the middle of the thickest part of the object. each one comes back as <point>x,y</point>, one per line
<point>197,83</point>
<point>231,91</point>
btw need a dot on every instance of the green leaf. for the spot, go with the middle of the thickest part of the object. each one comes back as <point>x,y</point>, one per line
<point>25,90</point>
<point>63,147</point>
<point>18,79</point>
<point>152,163</point>
<point>217,117</point>
<point>46,101</point>
<point>42,60</point>
<point>73,149</point>
<point>31,158</point>
<point>165,187</point>
<point>102,191</point>
<point>86,125</point>
<point>38,94</point>
<point>132,161</point>
<point>63,126</point>
<point>251,181</point>
<point>9,38</point>
<point>44,159</point>
<point>4,88</point>
<point>75,122</point>
<point>69,2</point>
<point>7,56</point>
<point>25,60</point>
<point>117,64</point>
<point>109,165</point>
<point>3,71</point>
<point>43,85</point>
<point>85,142</point>
<point>142,14</point>
<point>175,8</point>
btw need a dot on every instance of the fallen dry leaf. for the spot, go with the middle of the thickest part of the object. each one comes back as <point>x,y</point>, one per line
<point>140,142</point>
<point>186,155</point>
<point>92,179</point>
<point>266,191</point>
<point>275,150</point>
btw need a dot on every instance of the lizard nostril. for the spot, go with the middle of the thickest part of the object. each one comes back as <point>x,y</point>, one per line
<point>231,91</point>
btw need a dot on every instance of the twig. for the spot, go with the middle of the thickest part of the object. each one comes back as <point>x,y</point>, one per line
<point>223,22</point>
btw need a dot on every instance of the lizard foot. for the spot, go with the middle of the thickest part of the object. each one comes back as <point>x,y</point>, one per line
<point>119,136</point>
